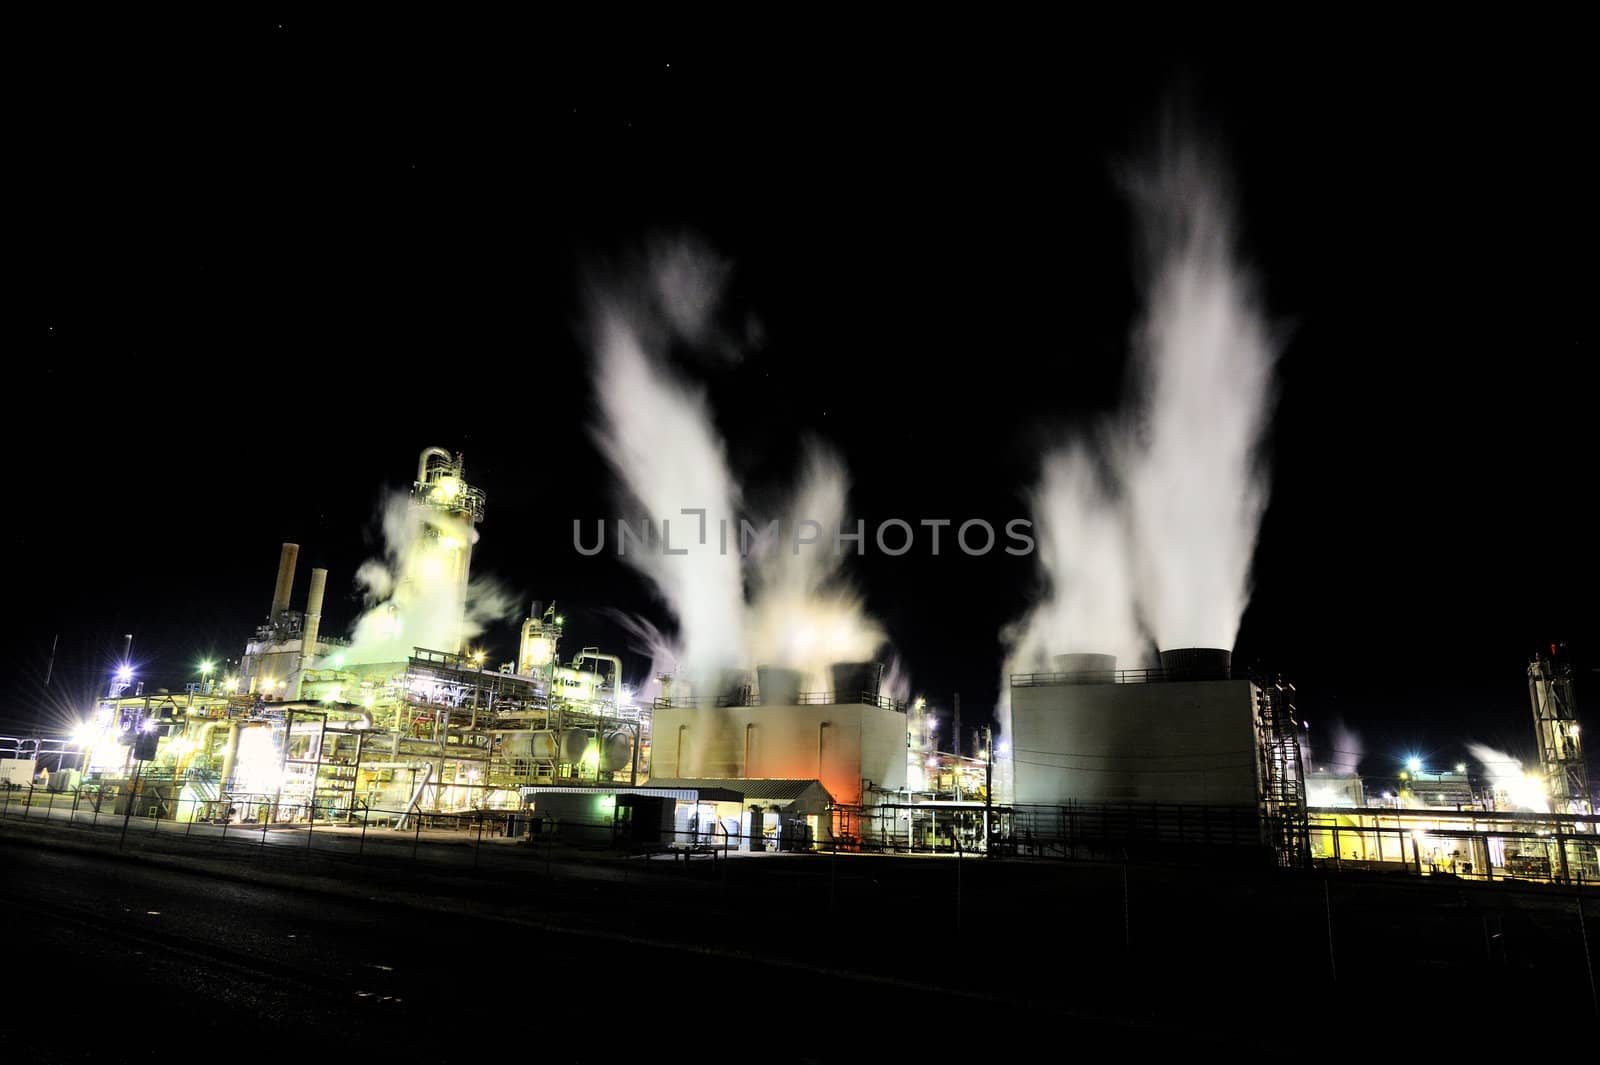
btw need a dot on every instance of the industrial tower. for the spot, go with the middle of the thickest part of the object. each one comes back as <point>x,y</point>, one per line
<point>1555,719</point>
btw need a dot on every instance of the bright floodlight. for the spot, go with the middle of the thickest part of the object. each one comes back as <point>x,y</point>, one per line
<point>207,668</point>
<point>124,673</point>
<point>1413,764</point>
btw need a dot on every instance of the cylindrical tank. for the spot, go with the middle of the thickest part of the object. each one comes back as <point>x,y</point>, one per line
<point>517,745</point>
<point>575,744</point>
<point>853,680</point>
<point>1087,668</point>
<point>1197,663</point>
<point>618,750</point>
<point>778,686</point>
<point>544,745</point>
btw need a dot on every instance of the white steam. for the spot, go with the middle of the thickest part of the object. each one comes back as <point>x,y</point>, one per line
<point>1203,354</point>
<point>415,593</point>
<point>1150,537</point>
<point>1525,791</point>
<point>656,429</point>
<point>657,432</point>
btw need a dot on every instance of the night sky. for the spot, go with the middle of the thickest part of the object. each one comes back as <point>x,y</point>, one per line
<point>266,264</point>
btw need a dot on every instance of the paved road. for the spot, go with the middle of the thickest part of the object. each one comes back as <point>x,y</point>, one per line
<point>113,958</point>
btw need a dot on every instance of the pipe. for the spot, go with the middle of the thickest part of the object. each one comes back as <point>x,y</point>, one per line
<point>349,710</point>
<point>422,463</point>
<point>616,668</point>
<point>820,727</point>
<point>287,557</point>
<point>416,796</point>
<point>310,627</point>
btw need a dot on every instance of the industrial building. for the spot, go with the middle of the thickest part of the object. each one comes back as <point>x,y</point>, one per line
<point>1188,759</point>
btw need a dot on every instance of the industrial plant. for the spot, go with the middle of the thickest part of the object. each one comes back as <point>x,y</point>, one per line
<point>1189,759</point>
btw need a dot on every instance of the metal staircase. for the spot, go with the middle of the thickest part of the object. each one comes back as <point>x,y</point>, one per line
<point>1281,775</point>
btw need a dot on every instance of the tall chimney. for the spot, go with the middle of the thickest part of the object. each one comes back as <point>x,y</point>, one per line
<point>310,627</point>
<point>280,597</point>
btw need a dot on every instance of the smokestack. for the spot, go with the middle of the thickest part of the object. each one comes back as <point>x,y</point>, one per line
<point>280,597</point>
<point>310,627</point>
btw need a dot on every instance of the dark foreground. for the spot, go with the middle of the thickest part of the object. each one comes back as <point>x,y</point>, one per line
<point>174,947</point>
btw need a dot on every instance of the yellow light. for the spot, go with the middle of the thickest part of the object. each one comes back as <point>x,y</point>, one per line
<point>231,684</point>
<point>447,488</point>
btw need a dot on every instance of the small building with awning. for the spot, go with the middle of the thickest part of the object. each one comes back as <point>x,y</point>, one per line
<point>755,814</point>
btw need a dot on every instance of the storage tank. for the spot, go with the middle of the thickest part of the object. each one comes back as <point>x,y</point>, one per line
<point>778,686</point>
<point>575,743</point>
<point>544,745</point>
<point>1197,663</point>
<point>852,680</point>
<point>618,750</point>
<point>1081,668</point>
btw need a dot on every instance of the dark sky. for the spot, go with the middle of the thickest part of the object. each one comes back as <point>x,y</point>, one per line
<point>266,265</point>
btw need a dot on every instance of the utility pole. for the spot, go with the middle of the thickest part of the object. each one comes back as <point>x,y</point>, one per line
<point>50,669</point>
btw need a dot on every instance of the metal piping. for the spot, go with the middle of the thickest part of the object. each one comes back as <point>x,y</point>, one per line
<point>427,453</point>
<point>616,667</point>
<point>347,709</point>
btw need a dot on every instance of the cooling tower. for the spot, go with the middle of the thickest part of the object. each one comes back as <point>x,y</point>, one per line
<point>778,686</point>
<point>853,680</point>
<point>733,687</point>
<point>1197,663</point>
<point>1087,668</point>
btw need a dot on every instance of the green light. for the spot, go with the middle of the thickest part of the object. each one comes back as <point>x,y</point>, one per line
<point>207,668</point>
<point>560,620</point>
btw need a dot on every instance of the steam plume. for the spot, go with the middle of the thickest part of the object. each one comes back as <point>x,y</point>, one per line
<point>1159,548</point>
<point>1203,358</point>
<point>413,593</point>
<point>657,430</point>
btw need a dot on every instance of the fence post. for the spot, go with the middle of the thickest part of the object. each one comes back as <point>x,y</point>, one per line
<point>311,821</point>
<point>417,839</point>
<point>833,870</point>
<point>5,812</point>
<point>49,802</point>
<point>1327,905</point>
<point>1588,959</point>
<point>77,797</point>
<point>361,850</point>
<point>479,847</point>
<point>99,797</point>
<point>189,827</point>
<point>29,804</point>
<point>1127,918</point>
<point>261,815</point>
